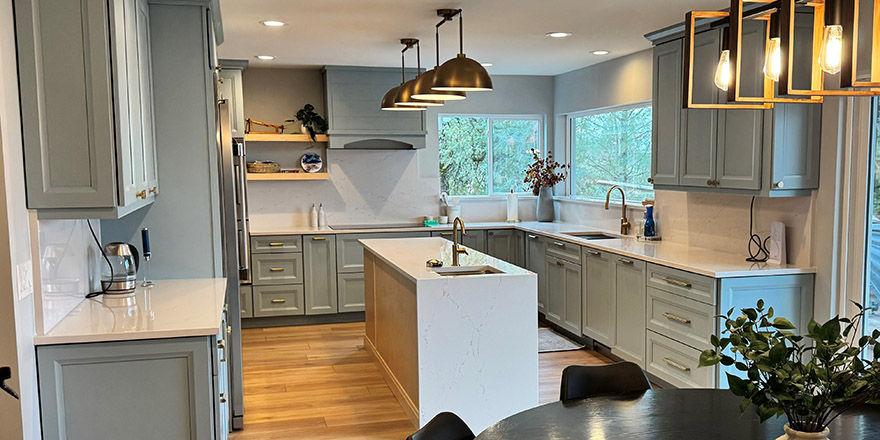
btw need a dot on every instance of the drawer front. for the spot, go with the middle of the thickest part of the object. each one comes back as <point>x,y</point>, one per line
<point>271,269</point>
<point>350,253</point>
<point>351,292</point>
<point>679,318</point>
<point>679,282</point>
<point>247,301</point>
<point>278,301</point>
<point>274,244</point>
<point>564,250</point>
<point>677,363</point>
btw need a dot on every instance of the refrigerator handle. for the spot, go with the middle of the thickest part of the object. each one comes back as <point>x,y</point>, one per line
<point>241,206</point>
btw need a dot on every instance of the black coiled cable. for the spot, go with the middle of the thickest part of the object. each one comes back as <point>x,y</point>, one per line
<point>758,252</point>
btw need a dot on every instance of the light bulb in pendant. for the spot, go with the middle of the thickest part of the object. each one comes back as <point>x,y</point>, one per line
<point>773,59</point>
<point>832,48</point>
<point>722,72</point>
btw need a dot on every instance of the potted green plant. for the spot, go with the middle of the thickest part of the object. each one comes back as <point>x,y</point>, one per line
<point>810,379</point>
<point>541,175</point>
<point>312,122</point>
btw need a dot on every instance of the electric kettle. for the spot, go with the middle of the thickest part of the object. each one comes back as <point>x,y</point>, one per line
<point>120,276</point>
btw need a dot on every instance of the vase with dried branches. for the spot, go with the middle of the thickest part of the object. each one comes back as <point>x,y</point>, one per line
<point>541,176</point>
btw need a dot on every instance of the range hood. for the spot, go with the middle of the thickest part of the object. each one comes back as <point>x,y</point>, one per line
<point>353,96</point>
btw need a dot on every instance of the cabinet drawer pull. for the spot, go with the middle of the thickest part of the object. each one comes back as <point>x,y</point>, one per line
<point>276,269</point>
<point>677,282</point>
<point>279,301</point>
<point>533,236</point>
<point>672,317</point>
<point>559,263</point>
<point>446,234</point>
<point>276,244</point>
<point>672,363</point>
<point>319,238</point>
<point>594,253</point>
<point>626,261</point>
<point>558,243</point>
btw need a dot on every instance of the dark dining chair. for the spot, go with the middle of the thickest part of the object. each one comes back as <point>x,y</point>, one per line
<point>444,426</point>
<point>579,382</point>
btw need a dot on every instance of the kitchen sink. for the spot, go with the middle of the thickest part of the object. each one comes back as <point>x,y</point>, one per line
<point>591,235</point>
<point>452,271</point>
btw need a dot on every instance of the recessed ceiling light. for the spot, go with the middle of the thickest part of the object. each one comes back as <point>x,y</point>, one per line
<point>600,52</point>
<point>265,57</point>
<point>273,23</point>
<point>486,64</point>
<point>558,34</point>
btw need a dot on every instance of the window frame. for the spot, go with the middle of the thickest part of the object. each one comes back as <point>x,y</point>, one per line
<point>490,182</point>
<point>569,146</point>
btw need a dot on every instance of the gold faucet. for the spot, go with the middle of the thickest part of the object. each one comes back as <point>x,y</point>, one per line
<point>456,249</point>
<point>624,223</point>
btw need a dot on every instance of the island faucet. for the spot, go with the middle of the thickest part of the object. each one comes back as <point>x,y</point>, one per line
<point>456,249</point>
<point>624,223</point>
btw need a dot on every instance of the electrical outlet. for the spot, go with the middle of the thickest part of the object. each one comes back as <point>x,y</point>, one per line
<point>25,280</point>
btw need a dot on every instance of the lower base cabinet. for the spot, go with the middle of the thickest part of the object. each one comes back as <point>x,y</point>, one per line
<point>535,261</point>
<point>351,292</point>
<point>599,296</point>
<point>474,239</point>
<point>629,322</point>
<point>319,273</point>
<point>676,363</point>
<point>246,292</point>
<point>507,245</point>
<point>286,300</point>
<point>134,390</point>
<point>563,293</point>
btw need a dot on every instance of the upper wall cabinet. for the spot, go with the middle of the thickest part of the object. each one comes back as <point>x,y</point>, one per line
<point>87,107</point>
<point>231,90</point>
<point>354,113</point>
<point>773,153</point>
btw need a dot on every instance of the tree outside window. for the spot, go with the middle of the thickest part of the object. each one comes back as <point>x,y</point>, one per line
<point>484,155</point>
<point>612,148</point>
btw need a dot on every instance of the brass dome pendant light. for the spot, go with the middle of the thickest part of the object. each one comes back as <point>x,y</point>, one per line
<point>388,100</point>
<point>425,82</point>
<point>404,92</point>
<point>461,74</point>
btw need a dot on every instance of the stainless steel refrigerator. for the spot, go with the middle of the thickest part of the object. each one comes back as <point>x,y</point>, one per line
<point>234,227</point>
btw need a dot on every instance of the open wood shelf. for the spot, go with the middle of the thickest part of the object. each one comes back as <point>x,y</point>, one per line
<point>271,137</point>
<point>288,176</point>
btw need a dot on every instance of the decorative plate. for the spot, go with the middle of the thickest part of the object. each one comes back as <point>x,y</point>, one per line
<point>312,162</point>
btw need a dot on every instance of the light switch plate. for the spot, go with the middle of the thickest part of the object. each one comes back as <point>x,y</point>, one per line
<point>25,279</point>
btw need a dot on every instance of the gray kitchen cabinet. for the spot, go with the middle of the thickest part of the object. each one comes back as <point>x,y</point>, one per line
<point>268,244</point>
<point>507,245</point>
<point>269,269</point>
<point>230,89</point>
<point>350,253</point>
<point>630,299</point>
<point>319,267</point>
<point>770,153</point>
<point>599,296</point>
<point>352,96</point>
<point>283,300</point>
<point>246,292</point>
<point>536,247</point>
<point>94,55</point>
<point>351,292</point>
<point>564,293</point>
<point>474,239</point>
<point>666,114</point>
<point>160,388</point>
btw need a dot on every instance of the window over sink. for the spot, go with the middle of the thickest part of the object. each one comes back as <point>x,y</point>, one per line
<point>611,146</point>
<point>482,155</point>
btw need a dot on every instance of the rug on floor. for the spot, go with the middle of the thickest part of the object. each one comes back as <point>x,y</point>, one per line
<point>550,341</point>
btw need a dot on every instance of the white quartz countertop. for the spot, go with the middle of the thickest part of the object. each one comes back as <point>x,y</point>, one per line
<point>170,309</point>
<point>707,262</point>
<point>410,256</point>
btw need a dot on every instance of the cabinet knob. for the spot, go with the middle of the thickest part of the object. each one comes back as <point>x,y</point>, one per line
<point>779,184</point>
<point>154,190</point>
<point>222,397</point>
<point>710,182</point>
<point>142,194</point>
<point>650,180</point>
<point>559,263</point>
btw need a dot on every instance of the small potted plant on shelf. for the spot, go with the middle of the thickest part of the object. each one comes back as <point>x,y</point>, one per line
<point>312,122</point>
<point>541,175</point>
<point>810,379</point>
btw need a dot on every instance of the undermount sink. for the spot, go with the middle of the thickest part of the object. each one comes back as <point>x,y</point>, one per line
<point>452,271</point>
<point>591,235</point>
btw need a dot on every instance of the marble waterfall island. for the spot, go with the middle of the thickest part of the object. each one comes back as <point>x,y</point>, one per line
<point>461,343</point>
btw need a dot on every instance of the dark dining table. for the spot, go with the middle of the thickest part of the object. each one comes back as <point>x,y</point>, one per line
<point>680,414</point>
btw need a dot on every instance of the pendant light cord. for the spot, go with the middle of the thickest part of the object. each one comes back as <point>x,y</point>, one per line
<point>460,33</point>
<point>758,252</point>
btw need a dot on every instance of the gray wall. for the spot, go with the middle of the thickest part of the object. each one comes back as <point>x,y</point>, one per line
<point>274,95</point>
<point>183,220</point>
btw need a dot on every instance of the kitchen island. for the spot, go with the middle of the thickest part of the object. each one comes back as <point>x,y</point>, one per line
<point>463,341</point>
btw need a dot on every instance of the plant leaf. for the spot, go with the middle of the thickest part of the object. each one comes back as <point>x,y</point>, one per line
<point>783,324</point>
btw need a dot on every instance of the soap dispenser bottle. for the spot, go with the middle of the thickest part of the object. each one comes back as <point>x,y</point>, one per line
<point>322,221</point>
<point>650,226</point>
<point>313,217</point>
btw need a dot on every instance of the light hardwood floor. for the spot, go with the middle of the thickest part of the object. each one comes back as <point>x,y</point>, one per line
<point>318,382</point>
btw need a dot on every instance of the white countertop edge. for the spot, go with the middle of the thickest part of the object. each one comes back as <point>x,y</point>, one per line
<point>133,336</point>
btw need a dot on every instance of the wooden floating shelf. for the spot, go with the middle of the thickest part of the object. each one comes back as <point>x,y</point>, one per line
<point>271,137</point>
<point>288,176</point>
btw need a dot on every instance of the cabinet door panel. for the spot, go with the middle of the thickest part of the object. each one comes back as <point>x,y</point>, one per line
<point>630,299</point>
<point>573,298</point>
<point>475,239</point>
<point>700,125</point>
<point>796,136</point>
<point>246,301</point>
<point>536,262</point>
<point>231,91</point>
<point>145,65</point>
<point>507,245</point>
<point>555,274</point>
<point>740,145</point>
<point>351,292</point>
<point>132,149</point>
<point>320,274</point>
<point>278,300</point>
<point>667,113</point>
<point>350,253</point>
<point>599,307</point>
<point>277,269</point>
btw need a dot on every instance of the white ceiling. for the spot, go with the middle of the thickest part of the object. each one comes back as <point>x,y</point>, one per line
<point>508,33</point>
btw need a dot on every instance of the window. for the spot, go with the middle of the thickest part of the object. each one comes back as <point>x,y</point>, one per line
<point>485,155</point>
<point>871,298</point>
<point>611,147</point>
